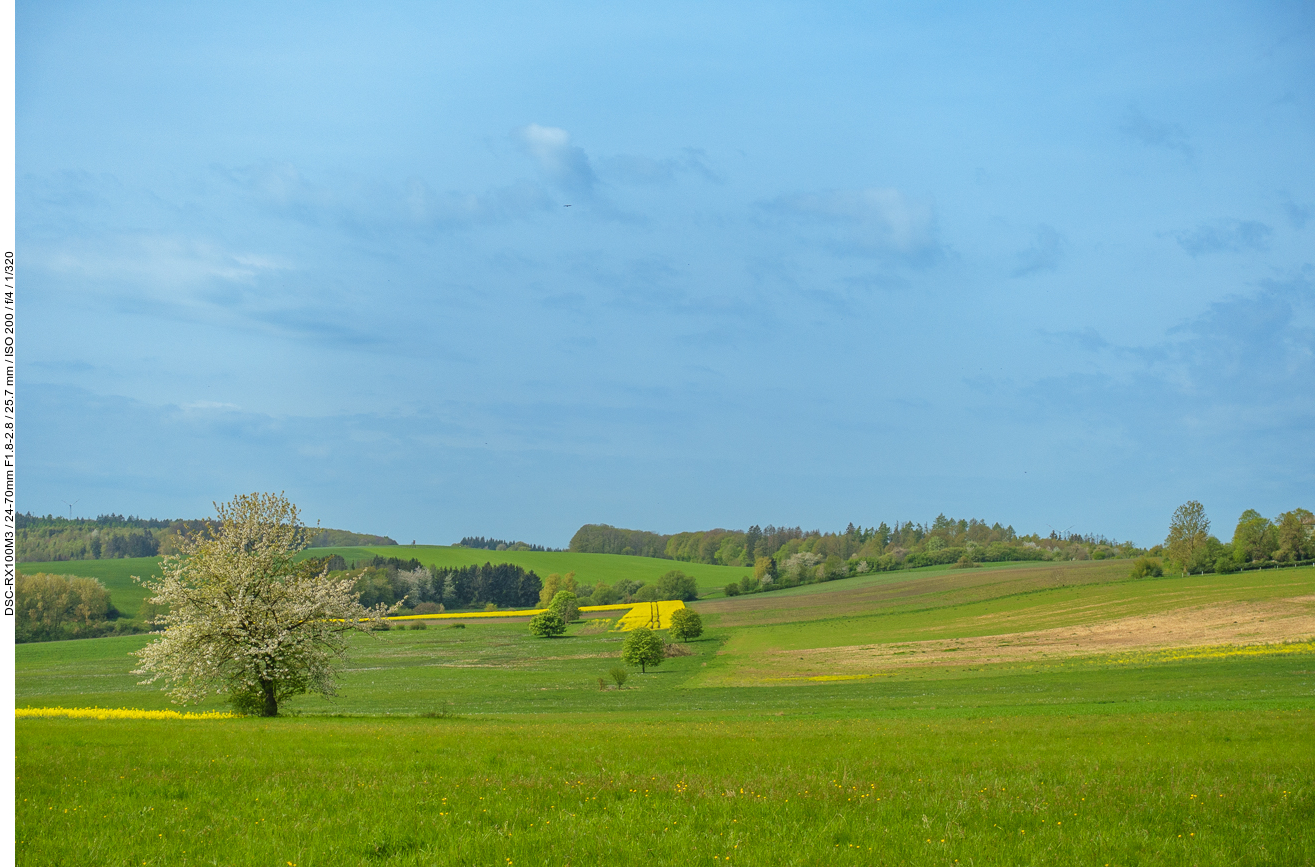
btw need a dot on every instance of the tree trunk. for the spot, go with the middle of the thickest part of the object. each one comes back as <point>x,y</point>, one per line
<point>271,703</point>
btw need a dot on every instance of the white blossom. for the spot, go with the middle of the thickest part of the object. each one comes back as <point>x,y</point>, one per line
<point>244,618</point>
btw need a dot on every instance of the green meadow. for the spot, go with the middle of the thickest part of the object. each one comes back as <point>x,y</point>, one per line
<point>128,596</point>
<point>588,568</point>
<point>484,745</point>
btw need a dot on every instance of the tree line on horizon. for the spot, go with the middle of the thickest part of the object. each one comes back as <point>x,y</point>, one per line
<point>50,538</point>
<point>1258,542</point>
<point>881,548</point>
<point>491,544</point>
<point>422,589</point>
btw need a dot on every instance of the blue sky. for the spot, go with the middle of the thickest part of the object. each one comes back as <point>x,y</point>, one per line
<point>1051,265</point>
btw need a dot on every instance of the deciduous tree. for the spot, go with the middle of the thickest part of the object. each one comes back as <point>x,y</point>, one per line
<point>554,584</point>
<point>643,647</point>
<point>243,617</point>
<point>1189,534</point>
<point>1296,541</point>
<point>686,624</point>
<point>677,585</point>
<point>1255,537</point>
<point>565,605</point>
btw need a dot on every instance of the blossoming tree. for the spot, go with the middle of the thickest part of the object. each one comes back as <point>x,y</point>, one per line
<point>245,618</point>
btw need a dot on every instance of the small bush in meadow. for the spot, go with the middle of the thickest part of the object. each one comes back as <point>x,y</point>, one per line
<point>1146,567</point>
<point>547,625</point>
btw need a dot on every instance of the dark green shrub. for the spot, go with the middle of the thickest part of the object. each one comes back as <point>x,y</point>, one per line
<point>1146,567</point>
<point>677,585</point>
<point>547,625</point>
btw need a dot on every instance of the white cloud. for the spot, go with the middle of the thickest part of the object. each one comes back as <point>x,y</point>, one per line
<point>567,165</point>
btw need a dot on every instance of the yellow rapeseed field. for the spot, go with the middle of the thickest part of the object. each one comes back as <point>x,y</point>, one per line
<point>522,612</point>
<point>653,615</point>
<point>117,713</point>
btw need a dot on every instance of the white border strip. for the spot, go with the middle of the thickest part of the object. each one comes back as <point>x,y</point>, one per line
<point>8,418</point>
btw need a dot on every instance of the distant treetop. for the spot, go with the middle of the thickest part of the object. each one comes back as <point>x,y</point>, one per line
<point>491,544</point>
<point>43,538</point>
<point>944,540</point>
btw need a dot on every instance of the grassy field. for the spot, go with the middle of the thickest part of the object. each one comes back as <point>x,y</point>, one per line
<point>1188,788</point>
<point>127,596</point>
<point>116,575</point>
<point>588,568</point>
<point>882,623</point>
<point>863,721</point>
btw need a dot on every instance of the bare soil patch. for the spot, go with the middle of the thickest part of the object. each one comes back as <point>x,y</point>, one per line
<point>1234,623</point>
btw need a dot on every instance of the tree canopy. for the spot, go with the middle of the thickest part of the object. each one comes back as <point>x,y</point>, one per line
<point>565,605</point>
<point>244,618</point>
<point>677,585</point>
<point>1189,534</point>
<point>686,624</point>
<point>547,624</point>
<point>643,647</point>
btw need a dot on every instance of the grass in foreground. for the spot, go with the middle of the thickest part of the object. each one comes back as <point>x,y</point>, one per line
<point>1221,788</point>
<point>1156,757</point>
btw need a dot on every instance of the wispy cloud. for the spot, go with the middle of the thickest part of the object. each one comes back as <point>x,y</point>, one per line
<point>159,263</point>
<point>1297,215</point>
<point>566,165</point>
<point>1042,255</point>
<point>642,170</point>
<point>372,206</point>
<point>1246,361</point>
<point>1087,338</point>
<point>877,221</point>
<point>1155,133</point>
<point>1225,236</point>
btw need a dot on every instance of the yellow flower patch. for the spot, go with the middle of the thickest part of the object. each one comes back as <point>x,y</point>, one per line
<point>523,612</point>
<point>117,713</point>
<point>652,615</point>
